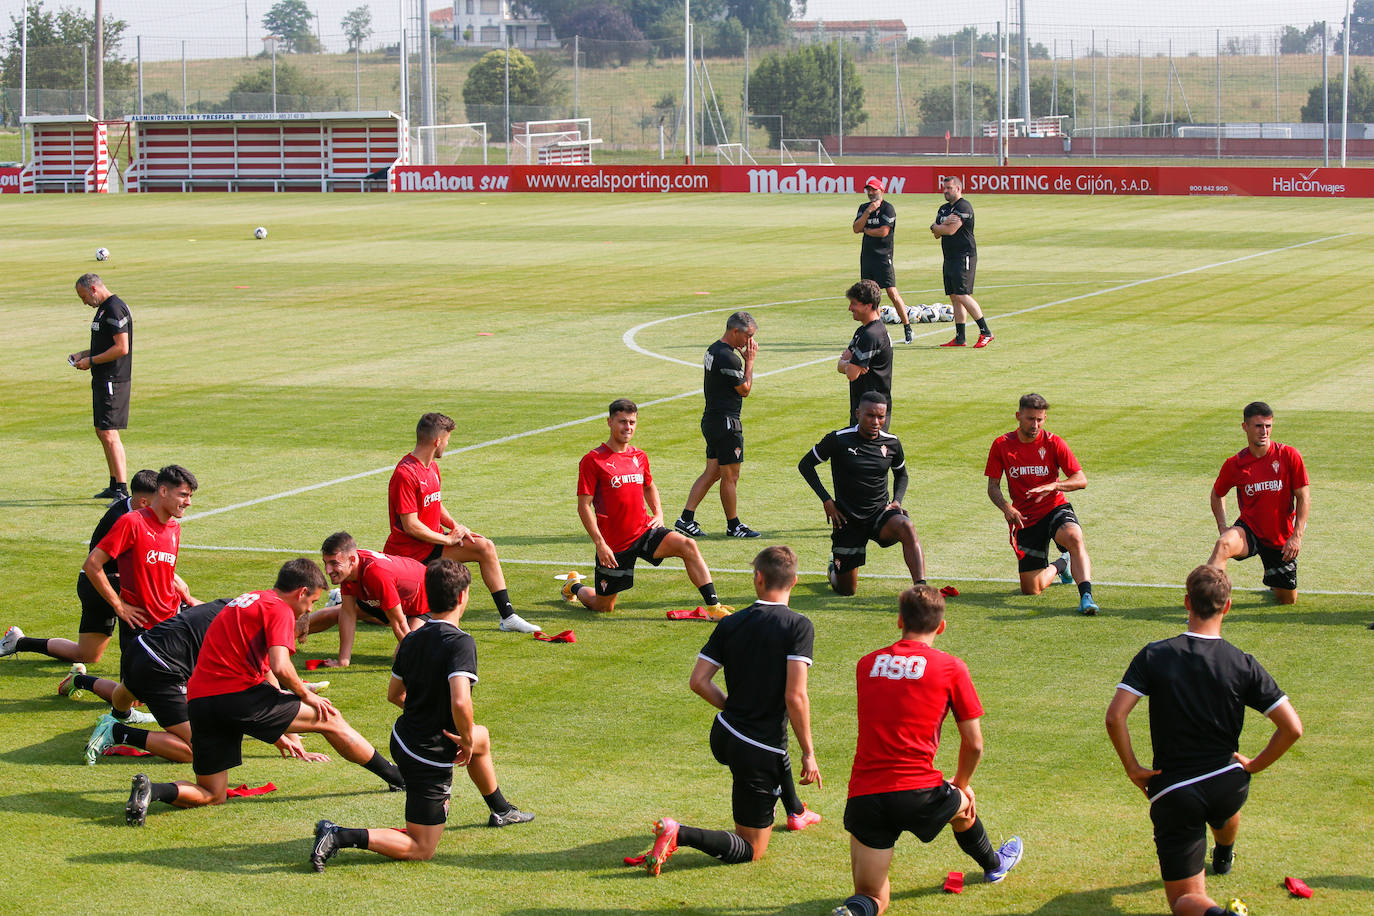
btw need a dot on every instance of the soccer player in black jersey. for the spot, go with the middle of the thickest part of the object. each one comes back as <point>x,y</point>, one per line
<point>729,377</point>
<point>877,222</point>
<point>431,680</point>
<point>765,650</point>
<point>97,617</point>
<point>867,361</point>
<point>110,362</point>
<point>1199,685</point>
<point>953,226</point>
<point>860,511</point>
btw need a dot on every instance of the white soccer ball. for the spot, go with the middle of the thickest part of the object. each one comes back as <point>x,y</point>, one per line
<point>260,233</point>
<point>102,254</point>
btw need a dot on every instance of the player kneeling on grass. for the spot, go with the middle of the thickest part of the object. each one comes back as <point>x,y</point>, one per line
<point>431,680</point>
<point>904,692</point>
<point>860,458</point>
<point>1199,685</point>
<point>244,684</point>
<point>765,650</point>
<point>1032,458</point>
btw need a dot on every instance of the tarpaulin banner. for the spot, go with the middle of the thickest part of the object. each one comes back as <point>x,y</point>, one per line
<point>9,180</point>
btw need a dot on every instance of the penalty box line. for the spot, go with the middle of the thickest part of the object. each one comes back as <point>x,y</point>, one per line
<point>628,339</point>
<point>563,564</point>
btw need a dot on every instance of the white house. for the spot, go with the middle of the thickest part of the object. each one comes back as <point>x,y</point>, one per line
<point>489,24</point>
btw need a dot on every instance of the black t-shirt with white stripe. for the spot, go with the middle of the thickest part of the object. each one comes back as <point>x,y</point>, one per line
<point>724,371</point>
<point>1198,687</point>
<point>425,661</point>
<point>754,646</point>
<point>871,348</point>
<point>859,469</point>
<point>175,643</point>
<point>111,319</point>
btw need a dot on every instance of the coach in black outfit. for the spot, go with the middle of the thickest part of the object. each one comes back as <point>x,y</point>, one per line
<point>1199,685</point>
<point>953,226</point>
<point>867,361</point>
<point>860,458</point>
<point>109,360</point>
<point>877,222</point>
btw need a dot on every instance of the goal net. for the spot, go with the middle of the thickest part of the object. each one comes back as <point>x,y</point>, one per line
<point>450,144</point>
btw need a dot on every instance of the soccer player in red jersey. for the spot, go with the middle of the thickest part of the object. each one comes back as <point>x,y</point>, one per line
<point>422,529</point>
<point>1032,460</point>
<point>904,693</point>
<point>145,545</point>
<point>245,684</point>
<point>613,486</point>
<point>1271,486</point>
<point>390,590</point>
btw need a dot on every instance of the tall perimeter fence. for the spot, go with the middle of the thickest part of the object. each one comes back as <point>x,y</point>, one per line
<point>1089,90</point>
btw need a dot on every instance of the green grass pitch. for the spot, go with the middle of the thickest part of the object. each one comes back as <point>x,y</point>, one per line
<point>306,358</point>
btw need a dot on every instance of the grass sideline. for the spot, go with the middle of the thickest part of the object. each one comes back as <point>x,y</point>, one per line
<point>265,366</point>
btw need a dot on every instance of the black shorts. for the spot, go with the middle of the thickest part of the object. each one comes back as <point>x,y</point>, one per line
<point>428,787</point>
<point>849,545</point>
<point>756,773</point>
<point>622,578</point>
<point>219,723</point>
<point>959,273</point>
<point>1182,814</point>
<point>1035,540</point>
<point>96,614</point>
<point>879,270</point>
<point>161,690</point>
<point>434,554</point>
<point>877,820</point>
<point>110,404</point>
<point>1277,572</point>
<point>724,437</point>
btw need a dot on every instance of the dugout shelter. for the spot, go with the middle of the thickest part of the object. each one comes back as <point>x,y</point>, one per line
<point>67,154</point>
<point>287,151</point>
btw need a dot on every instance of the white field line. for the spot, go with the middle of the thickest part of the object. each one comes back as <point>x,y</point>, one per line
<point>673,566</point>
<point>628,339</point>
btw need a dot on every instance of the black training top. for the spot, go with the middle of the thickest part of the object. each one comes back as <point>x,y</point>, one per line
<point>873,246</point>
<point>113,514</point>
<point>754,646</point>
<point>871,347</point>
<point>724,370</point>
<point>111,318</point>
<point>1198,687</point>
<point>425,661</point>
<point>961,242</point>
<point>175,643</point>
<point>858,470</point>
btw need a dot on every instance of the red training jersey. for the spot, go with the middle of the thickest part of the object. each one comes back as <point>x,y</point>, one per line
<point>413,488</point>
<point>387,582</point>
<point>1264,488</point>
<point>904,693</point>
<point>146,551</point>
<point>1029,465</point>
<point>234,654</point>
<point>615,481</point>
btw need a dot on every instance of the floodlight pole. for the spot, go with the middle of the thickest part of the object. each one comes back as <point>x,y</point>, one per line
<point>1025,68</point>
<point>426,85</point>
<point>506,29</point>
<point>99,60</point>
<point>1326,104</point>
<point>1345,86</point>
<point>24,64</point>
<point>690,108</point>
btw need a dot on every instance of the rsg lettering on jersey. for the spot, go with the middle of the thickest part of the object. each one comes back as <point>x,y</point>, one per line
<point>1261,486</point>
<point>896,667</point>
<point>160,556</point>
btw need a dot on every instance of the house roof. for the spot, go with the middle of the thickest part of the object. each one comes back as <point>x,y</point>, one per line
<point>442,15</point>
<point>848,25</point>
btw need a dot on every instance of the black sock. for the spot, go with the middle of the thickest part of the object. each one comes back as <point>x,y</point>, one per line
<point>958,330</point>
<point>503,605</point>
<point>689,515</point>
<point>351,837</point>
<point>384,768</point>
<point>31,644</point>
<point>861,905</point>
<point>84,682</point>
<point>112,480</point>
<point>975,842</point>
<point>732,523</point>
<point>708,593</point>
<point>164,792</point>
<point>1085,588</point>
<point>983,325</point>
<point>730,848</point>
<point>1214,911</point>
<point>788,790</point>
<point>133,737</point>
<point>497,802</point>
<point>121,486</point>
<point>1223,852</point>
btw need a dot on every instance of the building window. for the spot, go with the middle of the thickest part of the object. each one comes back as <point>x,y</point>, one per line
<point>491,7</point>
<point>543,33</point>
<point>470,7</point>
<point>491,35</point>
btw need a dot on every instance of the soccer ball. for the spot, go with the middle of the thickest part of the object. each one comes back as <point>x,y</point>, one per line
<point>260,233</point>
<point>1237,907</point>
<point>102,254</point>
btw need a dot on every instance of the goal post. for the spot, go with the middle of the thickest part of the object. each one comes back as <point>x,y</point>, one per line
<point>811,149</point>
<point>451,144</point>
